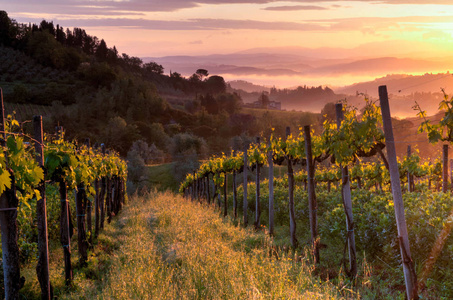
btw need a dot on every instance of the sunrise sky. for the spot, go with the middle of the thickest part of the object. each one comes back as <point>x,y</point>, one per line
<point>402,28</point>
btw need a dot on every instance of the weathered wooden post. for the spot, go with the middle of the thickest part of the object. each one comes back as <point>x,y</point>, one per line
<point>8,226</point>
<point>292,215</point>
<point>42,268</point>
<point>96,208</point>
<point>202,189</point>
<point>102,195</point>
<point>235,196</point>
<point>245,202</point>
<point>451,173</point>
<point>257,194</point>
<point>208,193</point>
<point>270,162</point>
<point>347,205</point>
<point>81,232</point>
<point>445,169</point>
<point>312,205</point>
<point>225,195</point>
<point>65,233</point>
<point>65,221</point>
<point>88,204</point>
<point>410,177</point>
<point>195,184</point>
<point>408,265</point>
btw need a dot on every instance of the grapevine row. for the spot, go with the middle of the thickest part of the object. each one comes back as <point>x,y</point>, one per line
<point>348,143</point>
<point>29,175</point>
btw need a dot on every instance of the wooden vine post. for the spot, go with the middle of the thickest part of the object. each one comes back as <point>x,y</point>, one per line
<point>96,207</point>
<point>65,221</point>
<point>257,194</point>
<point>451,173</point>
<point>108,199</point>
<point>208,194</point>
<point>270,162</point>
<point>82,241</point>
<point>8,225</point>
<point>203,188</point>
<point>194,186</point>
<point>347,204</point>
<point>410,177</point>
<point>235,196</point>
<point>312,205</point>
<point>292,215</point>
<point>445,169</point>
<point>102,195</point>
<point>408,265</point>
<point>197,194</point>
<point>225,195</point>
<point>42,268</point>
<point>88,205</point>
<point>245,202</point>
<point>65,232</point>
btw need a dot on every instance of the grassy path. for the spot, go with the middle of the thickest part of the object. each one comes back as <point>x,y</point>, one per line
<point>164,247</point>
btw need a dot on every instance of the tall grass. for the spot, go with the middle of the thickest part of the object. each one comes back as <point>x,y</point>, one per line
<point>171,248</point>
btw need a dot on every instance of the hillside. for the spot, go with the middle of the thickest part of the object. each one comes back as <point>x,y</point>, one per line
<point>402,84</point>
<point>79,82</point>
<point>275,62</point>
<point>95,92</point>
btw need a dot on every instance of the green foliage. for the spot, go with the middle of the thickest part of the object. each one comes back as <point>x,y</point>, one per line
<point>98,74</point>
<point>63,162</point>
<point>357,136</point>
<point>442,131</point>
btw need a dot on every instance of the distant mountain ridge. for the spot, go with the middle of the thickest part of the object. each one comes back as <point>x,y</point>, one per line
<point>247,86</point>
<point>401,84</point>
<point>275,65</point>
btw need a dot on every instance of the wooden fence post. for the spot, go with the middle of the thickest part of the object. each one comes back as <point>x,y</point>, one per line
<point>81,230</point>
<point>202,187</point>
<point>208,185</point>
<point>88,204</point>
<point>347,205</point>
<point>445,169</point>
<point>451,173</point>
<point>235,196</point>
<point>257,194</point>
<point>102,195</point>
<point>8,226</point>
<point>96,208</point>
<point>65,222</point>
<point>408,265</point>
<point>292,215</point>
<point>410,177</point>
<point>65,231</point>
<point>42,268</point>
<point>225,196</point>
<point>312,205</point>
<point>195,185</point>
<point>270,162</point>
<point>108,199</point>
<point>245,202</point>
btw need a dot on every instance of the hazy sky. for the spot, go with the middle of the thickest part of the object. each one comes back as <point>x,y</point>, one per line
<point>170,27</point>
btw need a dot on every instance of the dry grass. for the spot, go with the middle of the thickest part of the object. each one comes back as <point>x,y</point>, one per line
<point>165,247</point>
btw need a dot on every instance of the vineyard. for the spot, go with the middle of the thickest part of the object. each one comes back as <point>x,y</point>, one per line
<point>348,212</point>
<point>342,198</point>
<point>47,185</point>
